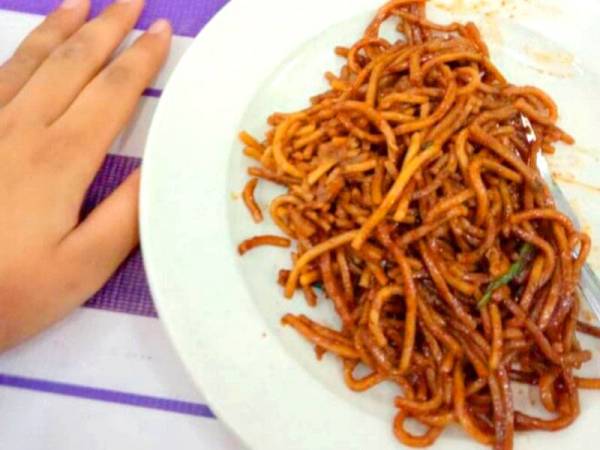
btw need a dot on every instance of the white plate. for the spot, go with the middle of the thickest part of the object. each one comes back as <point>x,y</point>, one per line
<point>223,312</point>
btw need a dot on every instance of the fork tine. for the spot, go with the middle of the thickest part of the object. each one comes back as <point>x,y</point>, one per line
<point>590,288</point>
<point>589,283</point>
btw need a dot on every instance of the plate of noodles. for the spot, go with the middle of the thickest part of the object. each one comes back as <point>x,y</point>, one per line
<point>347,233</point>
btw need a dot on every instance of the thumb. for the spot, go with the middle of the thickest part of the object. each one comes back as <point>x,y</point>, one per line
<point>82,263</point>
<point>93,251</point>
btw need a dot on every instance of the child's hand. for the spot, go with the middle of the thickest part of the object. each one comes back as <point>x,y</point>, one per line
<point>60,109</point>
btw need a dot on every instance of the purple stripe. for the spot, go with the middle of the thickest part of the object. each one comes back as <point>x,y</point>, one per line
<point>188,17</point>
<point>151,92</point>
<point>127,291</point>
<point>105,395</point>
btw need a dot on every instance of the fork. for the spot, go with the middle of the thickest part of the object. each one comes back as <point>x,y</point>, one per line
<point>589,283</point>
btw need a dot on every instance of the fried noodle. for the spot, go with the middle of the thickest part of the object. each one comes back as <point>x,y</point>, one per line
<point>416,205</point>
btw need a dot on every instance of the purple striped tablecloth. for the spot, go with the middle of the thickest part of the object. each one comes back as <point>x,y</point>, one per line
<point>112,352</point>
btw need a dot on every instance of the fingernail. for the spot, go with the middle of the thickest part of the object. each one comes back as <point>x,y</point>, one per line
<point>159,27</point>
<point>71,4</point>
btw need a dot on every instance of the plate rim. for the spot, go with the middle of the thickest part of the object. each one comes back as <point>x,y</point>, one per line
<point>161,288</point>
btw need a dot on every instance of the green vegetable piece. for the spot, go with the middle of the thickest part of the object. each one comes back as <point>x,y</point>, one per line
<point>513,272</point>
